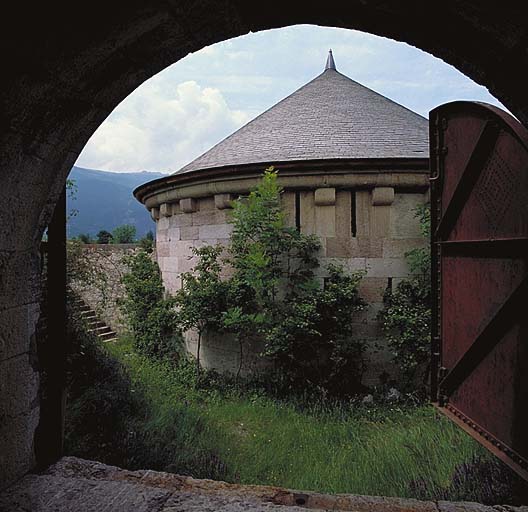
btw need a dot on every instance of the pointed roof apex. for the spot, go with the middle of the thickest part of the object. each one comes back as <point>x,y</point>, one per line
<point>330,64</point>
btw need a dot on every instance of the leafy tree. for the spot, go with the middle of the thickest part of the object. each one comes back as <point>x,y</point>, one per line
<point>203,296</point>
<point>104,237</point>
<point>125,234</point>
<point>151,316</point>
<point>306,328</point>
<point>147,242</point>
<point>406,316</point>
<point>84,238</point>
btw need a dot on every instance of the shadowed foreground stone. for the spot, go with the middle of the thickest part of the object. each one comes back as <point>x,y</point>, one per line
<point>76,485</point>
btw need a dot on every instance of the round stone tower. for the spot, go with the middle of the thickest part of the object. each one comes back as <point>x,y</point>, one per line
<point>353,165</point>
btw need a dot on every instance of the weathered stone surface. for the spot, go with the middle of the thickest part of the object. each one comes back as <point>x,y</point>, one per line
<point>372,288</point>
<point>387,267</point>
<point>77,485</point>
<point>207,217</point>
<point>380,221</point>
<point>154,213</point>
<point>189,233</point>
<point>398,248</point>
<point>18,326</point>
<point>307,209</point>
<point>403,222</point>
<point>325,197</point>
<point>18,386</point>
<point>288,207</point>
<point>174,233</point>
<point>342,247</point>
<point>16,447</point>
<point>343,207</point>
<point>215,231</point>
<point>325,221</point>
<point>188,205</point>
<point>223,201</point>
<point>165,210</point>
<point>382,196</point>
<point>206,203</point>
<point>363,213</point>
<point>179,220</point>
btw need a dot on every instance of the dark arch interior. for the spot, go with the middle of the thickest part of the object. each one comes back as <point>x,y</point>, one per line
<point>67,65</point>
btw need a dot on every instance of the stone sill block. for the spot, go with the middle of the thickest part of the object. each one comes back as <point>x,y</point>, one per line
<point>77,484</point>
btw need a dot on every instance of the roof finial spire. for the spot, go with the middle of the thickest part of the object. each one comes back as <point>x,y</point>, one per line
<point>330,64</point>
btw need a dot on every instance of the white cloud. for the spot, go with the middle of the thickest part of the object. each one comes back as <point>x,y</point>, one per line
<point>161,127</point>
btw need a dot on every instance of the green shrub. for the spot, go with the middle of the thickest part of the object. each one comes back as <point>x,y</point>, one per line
<point>125,234</point>
<point>406,317</point>
<point>101,402</point>
<point>150,316</point>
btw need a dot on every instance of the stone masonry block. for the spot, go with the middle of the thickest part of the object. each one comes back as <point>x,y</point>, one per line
<point>342,247</point>
<point>154,213</point>
<point>162,235</point>
<point>325,197</point>
<point>163,223</point>
<point>223,201</point>
<point>181,248</point>
<point>203,218</point>
<point>404,223</point>
<point>16,446</point>
<point>215,231</point>
<point>351,264</point>
<point>206,204</point>
<point>18,327</point>
<point>19,281</point>
<point>398,248</point>
<point>387,267</point>
<point>370,247</point>
<point>363,210</point>
<point>165,210</point>
<point>380,221</point>
<point>343,213</point>
<point>188,205</point>
<point>382,196</point>
<point>189,233</point>
<point>325,221</point>
<point>307,208</point>
<point>372,289</point>
<point>174,234</point>
<point>288,207</point>
<point>180,220</point>
<point>19,383</point>
<point>162,249</point>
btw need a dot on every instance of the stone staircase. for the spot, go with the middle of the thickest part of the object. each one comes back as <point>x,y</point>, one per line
<point>95,324</point>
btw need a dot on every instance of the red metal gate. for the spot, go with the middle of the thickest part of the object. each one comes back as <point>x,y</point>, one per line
<point>479,213</point>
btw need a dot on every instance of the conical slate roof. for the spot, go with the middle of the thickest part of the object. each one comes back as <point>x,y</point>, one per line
<point>331,117</point>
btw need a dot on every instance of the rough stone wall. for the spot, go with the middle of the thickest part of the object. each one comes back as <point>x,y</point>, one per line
<point>104,293</point>
<point>373,239</point>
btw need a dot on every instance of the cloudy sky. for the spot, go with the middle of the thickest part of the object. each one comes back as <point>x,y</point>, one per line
<point>193,104</point>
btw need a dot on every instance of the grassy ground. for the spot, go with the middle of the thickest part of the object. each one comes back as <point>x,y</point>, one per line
<point>248,438</point>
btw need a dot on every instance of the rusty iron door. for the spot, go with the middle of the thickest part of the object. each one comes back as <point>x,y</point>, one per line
<point>479,217</point>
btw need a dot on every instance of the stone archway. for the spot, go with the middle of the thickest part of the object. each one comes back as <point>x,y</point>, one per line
<point>65,68</point>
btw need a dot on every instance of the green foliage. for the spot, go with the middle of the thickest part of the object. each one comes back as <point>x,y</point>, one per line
<point>203,295</point>
<point>151,317</point>
<point>104,237</point>
<point>406,316</point>
<point>147,242</point>
<point>125,234</point>
<point>84,238</point>
<point>396,449</point>
<point>273,295</point>
<point>307,328</point>
<point>100,400</point>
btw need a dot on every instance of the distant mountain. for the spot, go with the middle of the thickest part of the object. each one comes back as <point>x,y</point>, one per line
<point>104,200</point>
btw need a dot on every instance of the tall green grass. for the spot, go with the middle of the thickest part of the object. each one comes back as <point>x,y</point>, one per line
<point>249,438</point>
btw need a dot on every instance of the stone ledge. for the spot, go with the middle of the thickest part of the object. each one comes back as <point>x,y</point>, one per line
<point>77,484</point>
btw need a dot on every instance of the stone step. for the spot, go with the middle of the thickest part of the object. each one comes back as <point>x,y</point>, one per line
<point>101,330</point>
<point>108,336</point>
